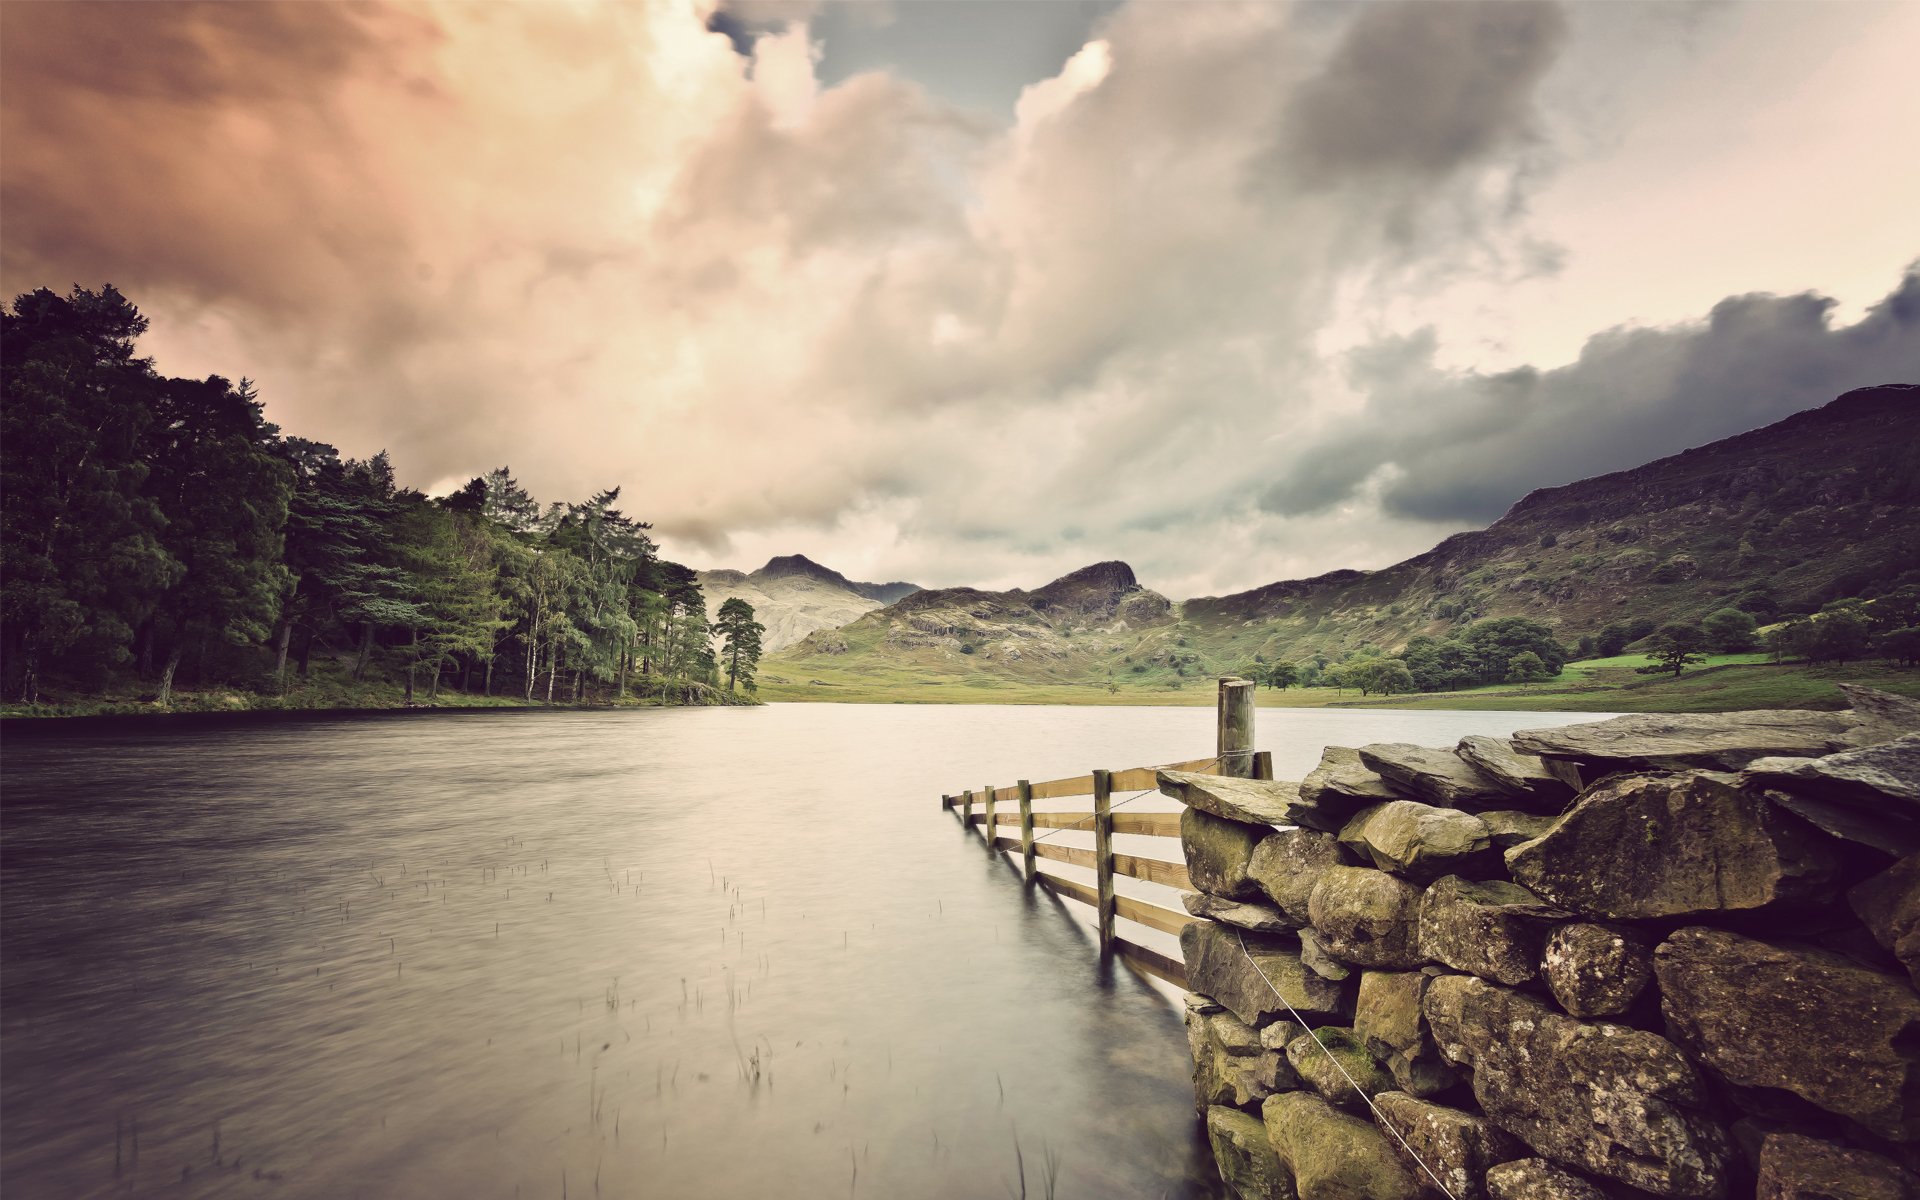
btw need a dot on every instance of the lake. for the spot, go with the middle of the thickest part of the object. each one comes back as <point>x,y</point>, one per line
<point>670,952</point>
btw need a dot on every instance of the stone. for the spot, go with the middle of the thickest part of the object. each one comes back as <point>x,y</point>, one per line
<point>1893,834</point>
<point>1334,1155</point>
<point>1287,864</point>
<point>1492,929</point>
<point>1367,917</point>
<point>1596,970</point>
<point>1884,776</point>
<point>1277,1034</point>
<point>1250,801</point>
<point>1879,716</point>
<point>1197,1003</point>
<point>1231,1066</point>
<point>1388,1020</point>
<point>1417,840</point>
<point>1679,741</point>
<point>1335,1064</point>
<point>1538,1179</point>
<point>1525,777</point>
<point>1318,960</point>
<point>1672,845</point>
<point>1246,982</point>
<point>1888,904</point>
<point>1260,918</point>
<point>1437,776</point>
<point>1343,785</point>
<point>1618,1102</point>
<point>1445,1145</point>
<point>1245,1156</point>
<point>1507,828</point>
<point>1796,1167</point>
<point>1802,1020</point>
<point>1217,853</point>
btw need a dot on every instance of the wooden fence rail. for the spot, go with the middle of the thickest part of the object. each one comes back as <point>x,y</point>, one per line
<point>1234,756</point>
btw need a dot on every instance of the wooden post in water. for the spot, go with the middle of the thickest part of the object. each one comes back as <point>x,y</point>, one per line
<point>1103,853</point>
<point>966,813</point>
<point>946,802</point>
<point>1026,828</point>
<point>1263,764</point>
<point>1235,727</point>
<point>990,831</point>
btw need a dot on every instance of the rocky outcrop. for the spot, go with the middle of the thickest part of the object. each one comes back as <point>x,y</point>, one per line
<point>1672,845</point>
<point>1562,996</point>
<point>1619,1102</point>
<point>1744,1007</point>
<point>1253,801</point>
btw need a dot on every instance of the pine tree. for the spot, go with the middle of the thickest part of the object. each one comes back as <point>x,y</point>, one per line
<point>740,635</point>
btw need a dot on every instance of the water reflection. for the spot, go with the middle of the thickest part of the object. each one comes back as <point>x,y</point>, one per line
<point>674,953</point>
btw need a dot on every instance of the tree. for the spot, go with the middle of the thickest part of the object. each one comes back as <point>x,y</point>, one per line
<point>1674,648</point>
<point>740,641</point>
<point>1385,676</point>
<point>1840,634</point>
<point>1611,641</point>
<point>1527,667</point>
<point>1901,645</point>
<point>1282,675</point>
<point>1728,631</point>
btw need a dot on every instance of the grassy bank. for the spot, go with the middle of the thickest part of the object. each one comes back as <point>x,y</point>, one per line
<point>320,693</point>
<point>1723,683</point>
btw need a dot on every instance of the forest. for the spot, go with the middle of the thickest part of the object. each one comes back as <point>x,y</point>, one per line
<point>159,534</point>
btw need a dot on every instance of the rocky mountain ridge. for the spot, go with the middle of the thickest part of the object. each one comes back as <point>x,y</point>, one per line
<point>793,596</point>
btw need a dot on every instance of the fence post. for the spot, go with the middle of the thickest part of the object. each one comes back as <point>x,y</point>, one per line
<point>966,813</point>
<point>1263,764</point>
<point>1026,828</point>
<point>1103,853</point>
<point>990,833</point>
<point>946,802</point>
<point>1235,727</point>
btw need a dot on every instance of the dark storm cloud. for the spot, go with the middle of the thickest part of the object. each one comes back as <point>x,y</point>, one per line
<point>1464,447</point>
<point>1420,89</point>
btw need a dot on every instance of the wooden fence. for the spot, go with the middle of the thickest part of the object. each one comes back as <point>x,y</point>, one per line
<point>1234,755</point>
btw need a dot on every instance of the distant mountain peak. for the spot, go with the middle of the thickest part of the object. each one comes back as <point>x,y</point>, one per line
<point>787,566</point>
<point>1112,576</point>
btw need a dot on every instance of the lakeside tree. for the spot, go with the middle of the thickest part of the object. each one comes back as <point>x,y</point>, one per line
<point>1673,649</point>
<point>1728,630</point>
<point>1527,667</point>
<point>160,533</point>
<point>740,641</point>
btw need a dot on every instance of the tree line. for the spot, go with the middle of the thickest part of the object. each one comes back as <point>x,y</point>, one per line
<point>163,529</point>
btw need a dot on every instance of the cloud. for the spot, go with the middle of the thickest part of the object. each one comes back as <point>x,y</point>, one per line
<point>652,246</point>
<point>1464,446</point>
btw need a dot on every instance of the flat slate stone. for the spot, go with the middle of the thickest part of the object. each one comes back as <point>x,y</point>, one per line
<point>1889,833</point>
<point>1880,716</point>
<point>1387,1017</point>
<point>1218,852</point>
<point>1253,801</point>
<point>1888,904</point>
<point>1342,785</point>
<point>1524,776</point>
<point>1246,983</point>
<point>1622,1103</point>
<point>1508,828</point>
<point>1493,929</point>
<point>1640,847</point>
<point>1880,777</point>
<point>1802,1020</point>
<point>1678,741</point>
<point>1538,1179</point>
<point>1319,960</point>
<point>1437,776</point>
<point>1260,918</point>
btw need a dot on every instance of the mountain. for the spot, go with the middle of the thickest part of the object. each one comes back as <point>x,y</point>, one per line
<point>794,596</point>
<point>1818,506</point>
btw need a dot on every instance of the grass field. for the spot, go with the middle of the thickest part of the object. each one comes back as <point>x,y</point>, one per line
<point>1724,683</point>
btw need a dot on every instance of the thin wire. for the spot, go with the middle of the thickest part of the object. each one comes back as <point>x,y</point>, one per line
<point>1358,1090</point>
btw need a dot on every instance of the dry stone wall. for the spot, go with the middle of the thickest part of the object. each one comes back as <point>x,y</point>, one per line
<point>1669,955</point>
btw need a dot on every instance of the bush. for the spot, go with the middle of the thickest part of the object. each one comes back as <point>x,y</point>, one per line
<point>1548,541</point>
<point>1728,631</point>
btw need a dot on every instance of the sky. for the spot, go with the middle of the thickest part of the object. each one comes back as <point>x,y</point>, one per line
<point>979,293</point>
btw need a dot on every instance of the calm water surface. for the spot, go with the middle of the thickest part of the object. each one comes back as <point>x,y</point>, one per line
<point>704,952</point>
